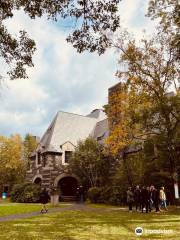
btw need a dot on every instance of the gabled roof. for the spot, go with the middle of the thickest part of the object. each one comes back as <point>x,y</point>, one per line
<point>70,127</point>
<point>99,114</point>
<point>66,127</point>
<point>66,143</point>
<point>101,131</point>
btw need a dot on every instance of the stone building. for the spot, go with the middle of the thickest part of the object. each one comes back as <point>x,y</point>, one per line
<point>49,161</point>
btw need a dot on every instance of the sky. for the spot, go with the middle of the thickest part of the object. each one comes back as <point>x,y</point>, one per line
<point>61,78</point>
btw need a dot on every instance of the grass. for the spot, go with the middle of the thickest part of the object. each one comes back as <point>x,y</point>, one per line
<point>17,208</point>
<point>8,208</point>
<point>100,223</point>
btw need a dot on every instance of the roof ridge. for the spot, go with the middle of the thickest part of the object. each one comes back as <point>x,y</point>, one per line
<point>74,114</point>
<point>51,129</point>
<point>102,120</point>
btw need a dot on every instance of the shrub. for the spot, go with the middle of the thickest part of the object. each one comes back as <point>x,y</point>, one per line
<point>109,195</point>
<point>105,194</point>
<point>94,194</point>
<point>113,195</point>
<point>116,196</point>
<point>25,193</point>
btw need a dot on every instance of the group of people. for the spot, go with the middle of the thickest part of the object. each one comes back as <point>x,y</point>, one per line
<point>146,199</point>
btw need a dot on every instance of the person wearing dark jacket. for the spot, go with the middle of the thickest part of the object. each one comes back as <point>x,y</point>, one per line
<point>80,194</point>
<point>137,198</point>
<point>44,198</point>
<point>151,202</point>
<point>155,198</point>
<point>145,199</point>
<point>149,196</point>
<point>130,198</point>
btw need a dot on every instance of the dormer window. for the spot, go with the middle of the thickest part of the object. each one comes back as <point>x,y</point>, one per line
<point>68,155</point>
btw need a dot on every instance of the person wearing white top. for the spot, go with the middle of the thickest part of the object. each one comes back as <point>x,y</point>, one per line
<point>162,197</point>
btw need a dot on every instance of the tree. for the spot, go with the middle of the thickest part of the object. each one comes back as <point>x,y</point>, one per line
<point>169,13</point>
<point>12,167</point>
<point>30,145</point>
<point>121,140</point>
<point>136,164</point>
<point>93,19</point>
<point>146,107</point>
<point>93,22</point>
<point>90,164</point>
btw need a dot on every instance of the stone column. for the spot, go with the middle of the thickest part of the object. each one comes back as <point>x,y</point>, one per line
<point>55,199</point>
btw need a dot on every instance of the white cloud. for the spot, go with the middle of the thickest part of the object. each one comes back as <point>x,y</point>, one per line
<point>61,79</point>
<point>133,17</point>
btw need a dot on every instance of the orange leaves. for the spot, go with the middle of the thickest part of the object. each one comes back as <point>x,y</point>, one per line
<point>138,105</point>
<point>118,139</point>
<point>119,122</point>
<point>126,105</point>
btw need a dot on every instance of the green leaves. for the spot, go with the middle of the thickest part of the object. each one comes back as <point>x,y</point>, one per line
<point>168,11</point>
<point>93,20</point>
<point>90,164</point>
<point>143,108</point>
<point>17,53</point>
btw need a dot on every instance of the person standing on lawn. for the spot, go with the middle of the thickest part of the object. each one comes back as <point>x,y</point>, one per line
<point>130,198</point>
<point>149,199</point>
<point>81,194</point>
<point>137,198</point>
<point>151,202</point>
<point>44,198</point>
<point>145,199</point>
<point>162,197</point>
<point>155,198</point>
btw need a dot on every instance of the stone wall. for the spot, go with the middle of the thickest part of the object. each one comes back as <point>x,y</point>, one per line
<point>49,169</point>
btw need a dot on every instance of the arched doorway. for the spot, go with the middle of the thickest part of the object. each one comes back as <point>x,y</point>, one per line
<point>68,186</point>
<point>38,180</point>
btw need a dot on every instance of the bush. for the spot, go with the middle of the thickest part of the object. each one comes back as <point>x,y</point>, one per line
<point>109,195</point>
<point>26,193</point>
<point>112,195</point>
<point>94,194</point>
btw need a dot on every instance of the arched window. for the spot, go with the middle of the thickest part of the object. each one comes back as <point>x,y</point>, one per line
<point>38,181</point>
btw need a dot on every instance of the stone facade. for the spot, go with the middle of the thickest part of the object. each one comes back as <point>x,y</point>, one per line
<point>49,162</point>
<point>44,169</point>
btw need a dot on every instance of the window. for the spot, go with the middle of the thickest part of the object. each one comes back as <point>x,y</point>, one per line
<point>38,158</point>
<point>44,160</point>
<point>68,155</point>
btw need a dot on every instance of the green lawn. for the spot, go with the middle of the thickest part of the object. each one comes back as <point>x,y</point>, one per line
<point>8,208</point>
<point>101,223</point>
<point>17,208</point>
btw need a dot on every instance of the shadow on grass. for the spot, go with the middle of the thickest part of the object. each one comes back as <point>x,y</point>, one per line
<point>87,225</point>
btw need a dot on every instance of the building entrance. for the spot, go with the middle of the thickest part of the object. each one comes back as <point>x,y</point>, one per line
<point>68,186</point>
